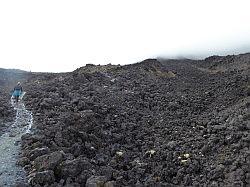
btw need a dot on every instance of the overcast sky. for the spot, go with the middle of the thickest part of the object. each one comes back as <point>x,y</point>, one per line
<point>59,35</point>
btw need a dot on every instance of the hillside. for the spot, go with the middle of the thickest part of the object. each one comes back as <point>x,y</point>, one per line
<point>157,122</point>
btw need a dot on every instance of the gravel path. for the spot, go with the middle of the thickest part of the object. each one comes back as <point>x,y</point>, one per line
<point>10,173</point>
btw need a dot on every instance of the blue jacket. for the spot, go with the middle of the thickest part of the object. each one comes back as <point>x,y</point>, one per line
<point>17,90</point>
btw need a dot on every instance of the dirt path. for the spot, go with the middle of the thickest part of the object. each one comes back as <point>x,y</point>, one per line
<point>10,173</point>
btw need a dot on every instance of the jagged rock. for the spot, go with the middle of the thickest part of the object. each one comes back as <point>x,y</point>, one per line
<point>23,161</point>
<point>46,103</point>
<point>110,184</point>
<point>48,161</point>
<point>38,152</point>
<point>42,178</point>
<point>96,181</point>
<point>171,144</point>
<point>72,168</point>
<point>30,138</point>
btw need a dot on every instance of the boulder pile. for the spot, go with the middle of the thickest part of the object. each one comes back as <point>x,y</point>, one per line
<point>158,122</point>
<point>6,112</point>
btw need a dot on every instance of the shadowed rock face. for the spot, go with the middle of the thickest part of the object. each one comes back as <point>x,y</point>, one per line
<point>167,122</point>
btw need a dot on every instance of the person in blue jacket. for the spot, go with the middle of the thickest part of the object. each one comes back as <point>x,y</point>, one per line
<point>17,91</point>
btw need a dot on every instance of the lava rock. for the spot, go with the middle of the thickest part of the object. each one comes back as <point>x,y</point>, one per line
<point>48,161</point>
<point>42,178</point>
<point>96,181</point>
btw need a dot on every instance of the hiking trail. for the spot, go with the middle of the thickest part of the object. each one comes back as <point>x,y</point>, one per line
<point>10,146</point>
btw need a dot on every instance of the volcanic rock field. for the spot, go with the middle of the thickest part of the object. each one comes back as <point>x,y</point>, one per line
<point>155,123</point>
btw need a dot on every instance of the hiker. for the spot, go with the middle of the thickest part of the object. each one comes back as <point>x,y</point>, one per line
<point>17,91</point>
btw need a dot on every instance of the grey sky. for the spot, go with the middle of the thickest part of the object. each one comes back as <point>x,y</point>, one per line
<point>59,35</point>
